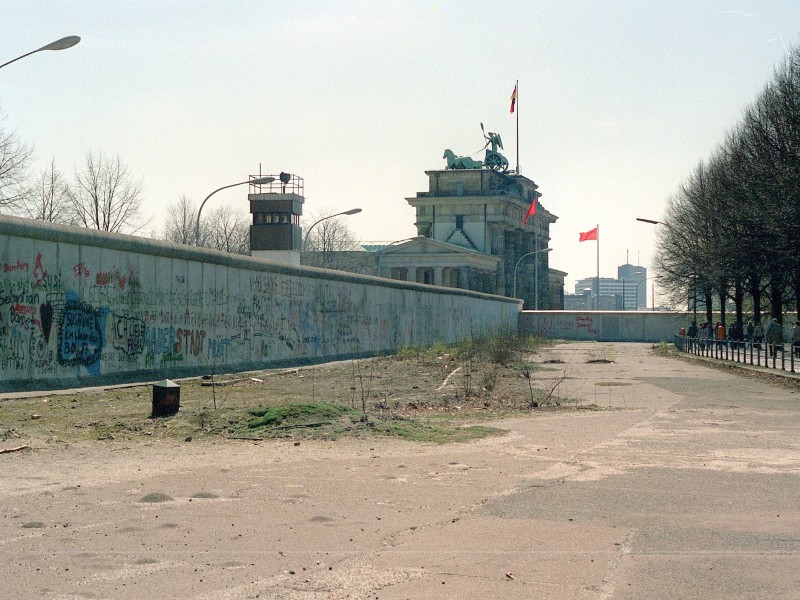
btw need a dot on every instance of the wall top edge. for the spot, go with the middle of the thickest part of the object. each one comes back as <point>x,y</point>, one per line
<point>56,233</point>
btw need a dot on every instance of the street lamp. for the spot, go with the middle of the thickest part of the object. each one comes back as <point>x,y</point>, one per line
<point>352,211</point>
<point>692,293</point>
<point>652,222</point>
<point>535,277</point>
<point>63,43</point>
<point>259,181</point>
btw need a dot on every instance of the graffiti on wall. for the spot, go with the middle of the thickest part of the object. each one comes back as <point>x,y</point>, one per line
<point>572,326</point>
<point>114,312</point>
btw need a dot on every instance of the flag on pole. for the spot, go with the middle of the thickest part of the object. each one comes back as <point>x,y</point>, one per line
<point>513,98</point>
<point>531,212</point>
<point>586,236</point>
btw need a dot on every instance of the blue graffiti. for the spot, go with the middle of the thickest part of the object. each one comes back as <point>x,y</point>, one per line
<point>81,334</point>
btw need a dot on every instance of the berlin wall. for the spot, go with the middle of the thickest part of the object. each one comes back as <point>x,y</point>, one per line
<point>604,326</point>
<point>80,307</point>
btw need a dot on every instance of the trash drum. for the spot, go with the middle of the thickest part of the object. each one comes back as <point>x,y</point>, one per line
<point>166,398</point>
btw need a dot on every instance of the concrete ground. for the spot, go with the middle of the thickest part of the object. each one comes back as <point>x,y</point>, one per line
<point>685,484</point>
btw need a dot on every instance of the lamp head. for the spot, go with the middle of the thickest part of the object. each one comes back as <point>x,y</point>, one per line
<point>63,43</point>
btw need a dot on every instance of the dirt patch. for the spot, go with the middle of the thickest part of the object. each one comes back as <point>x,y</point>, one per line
<point>435,395</point>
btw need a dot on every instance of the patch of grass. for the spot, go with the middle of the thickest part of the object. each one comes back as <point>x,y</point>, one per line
<point>425,352</point>
<point>306,413</point>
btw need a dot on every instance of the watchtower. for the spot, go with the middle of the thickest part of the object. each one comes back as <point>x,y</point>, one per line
<point>276,208</point>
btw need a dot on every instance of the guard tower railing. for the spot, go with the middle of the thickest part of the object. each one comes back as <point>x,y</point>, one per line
<point>285,183</point>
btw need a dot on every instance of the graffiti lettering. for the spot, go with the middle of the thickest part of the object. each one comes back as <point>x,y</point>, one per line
<point>128,335</point>
<point>586,323</point>
<point>19,266</point>
<point>18,299</point>
<point>103,278</point>
<point>80,337</point>
<point>159,340</point>
<point>189,341</point>
<point>110,277</point>
<point>218,349</point>
<point>80,270</point>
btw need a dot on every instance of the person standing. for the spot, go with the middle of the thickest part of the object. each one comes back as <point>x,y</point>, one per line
<point>774,337</point>
<point>796,338</point>
<point>758,334</point>
<point>692,333</point>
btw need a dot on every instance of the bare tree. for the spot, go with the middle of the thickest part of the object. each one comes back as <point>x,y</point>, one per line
<point>105,197</point>
<point>227,230</point>
<point>181,219</point>
<point>733,228</point>
<point>14,160</point>
<point>326,239</point>
<point>50,201</point>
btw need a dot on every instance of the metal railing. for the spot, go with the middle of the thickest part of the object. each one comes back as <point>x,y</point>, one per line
<point>782,356</point>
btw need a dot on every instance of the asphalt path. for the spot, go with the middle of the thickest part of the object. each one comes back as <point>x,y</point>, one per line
<point>682,483</point>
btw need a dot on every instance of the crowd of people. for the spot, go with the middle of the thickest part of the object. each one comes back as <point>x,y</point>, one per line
<point>707,335</point>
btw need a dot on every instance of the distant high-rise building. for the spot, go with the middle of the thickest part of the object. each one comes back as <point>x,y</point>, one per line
<point>628,288</point>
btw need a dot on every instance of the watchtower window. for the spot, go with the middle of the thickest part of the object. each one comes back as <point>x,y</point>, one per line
<point>459,221</point>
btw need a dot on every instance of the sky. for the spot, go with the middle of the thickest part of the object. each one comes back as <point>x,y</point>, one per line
<point>618,100</point>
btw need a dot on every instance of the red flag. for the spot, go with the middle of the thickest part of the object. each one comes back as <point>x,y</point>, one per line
<point>513,98</point>
<point>585,236</point>
<point>530,213</point>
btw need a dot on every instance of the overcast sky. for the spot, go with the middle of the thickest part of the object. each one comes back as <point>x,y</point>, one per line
<point>618,100</point>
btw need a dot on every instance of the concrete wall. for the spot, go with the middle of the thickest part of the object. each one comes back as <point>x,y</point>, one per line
<point>86,308</point>
<point>605,326</point>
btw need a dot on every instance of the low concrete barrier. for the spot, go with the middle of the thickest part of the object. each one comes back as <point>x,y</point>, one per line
<point>603,326</point>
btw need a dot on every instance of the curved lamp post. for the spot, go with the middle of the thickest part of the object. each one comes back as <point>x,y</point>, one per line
<point>535,277</point>
<point>259,181</point>
<point>62,44</point>
<point>692,293</point>
<point>651,221</point>
<point>352,211</point>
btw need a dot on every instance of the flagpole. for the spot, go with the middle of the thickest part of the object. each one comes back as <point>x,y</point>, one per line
<point>516,89</point>
<point>598,267</point>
